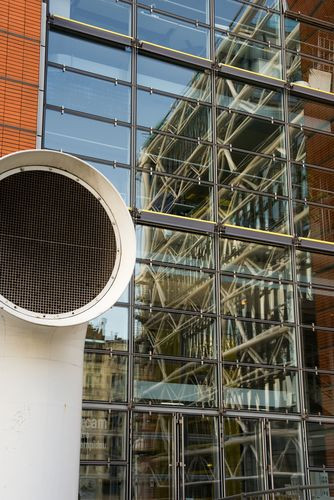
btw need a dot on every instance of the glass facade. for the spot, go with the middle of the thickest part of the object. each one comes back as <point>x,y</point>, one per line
<point>213,375</point>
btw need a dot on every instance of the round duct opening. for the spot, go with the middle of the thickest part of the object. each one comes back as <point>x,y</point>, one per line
<point>57,242</point>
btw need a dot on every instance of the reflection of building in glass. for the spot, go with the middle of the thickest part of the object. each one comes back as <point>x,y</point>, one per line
<point>213,376</point>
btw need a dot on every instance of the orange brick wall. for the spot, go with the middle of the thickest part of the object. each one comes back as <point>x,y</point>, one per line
<point>20,22</point>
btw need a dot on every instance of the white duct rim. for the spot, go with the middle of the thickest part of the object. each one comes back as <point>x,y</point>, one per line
<point>110,199</point>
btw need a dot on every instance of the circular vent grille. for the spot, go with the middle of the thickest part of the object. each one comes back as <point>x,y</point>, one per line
<point>57,243</point>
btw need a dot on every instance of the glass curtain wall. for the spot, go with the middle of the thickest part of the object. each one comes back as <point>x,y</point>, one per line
<point>213,375</point>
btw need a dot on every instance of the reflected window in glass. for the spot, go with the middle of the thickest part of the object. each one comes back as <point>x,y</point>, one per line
<point>103,435</point>
<point>107,482</point>
<point>105,377</point>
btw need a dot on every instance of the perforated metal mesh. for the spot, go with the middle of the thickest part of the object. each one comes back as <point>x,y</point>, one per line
<point>57,244</point>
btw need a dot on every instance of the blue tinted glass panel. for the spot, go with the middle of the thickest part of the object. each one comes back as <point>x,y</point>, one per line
<point>79,135</point>
<point>109,14</point>
<point>191,9</point>
<point>89,56</point>
<point>183,118</point>
<point>88,94</point>
<point>173,78</point>
<point>173,33</point>
<point>119,177</point>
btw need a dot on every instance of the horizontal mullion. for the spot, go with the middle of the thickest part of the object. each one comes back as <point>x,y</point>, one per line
<point>82,72</point>
<point>69,111</point>
<point>172,265</point>
<point>152,90</point>
<point>172,15</point>
<point>253,278</point>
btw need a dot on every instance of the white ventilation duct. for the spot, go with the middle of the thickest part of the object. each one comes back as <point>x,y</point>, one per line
<point>67,251</point>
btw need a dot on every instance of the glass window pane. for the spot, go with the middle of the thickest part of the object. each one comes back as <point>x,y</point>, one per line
<point>173,155</point>
<point>311,40</point>
<point>105,377</point>
<point>315,268</point>
<point>173,33</point>
<point>84,136</point>
<point>249,98</point>
<point>191,9</point>
<point>319,393</point>
<point>246,20</point>
<point>174,288</point>
<point>243,456</point>
<point>172,334</point>
<point>316,307</point>
<point>175,247</point>
<point>162,381</point>
<point>309,72</point>
<point>89,56</point>
<point>322,10</point>
<point>251,172</point>
<point>103,435</point>
<point>324,480</point>
<point>173,78</point>
<point>119,177</point>
<point>250,133</point>
<point>287,454</point>
<point>311,114</point>
<point>313,184</point>
<point>87,94</point>
<point>320,444</point>
<point>314,221</point>
<point>254,342</point>
<point>311,147</point>
<point>240,208</point>
<point>109,331</point>
<point>248,55</point>
<point>318,349</point>
<point>153,452</point>
<point>174,196</point>
<point>102,482</point>
<point>200,449</point>
<point>255,388</point>
<point>113,15</point>
<point>188,119</point>
<point>243,257</point>
<point>251,298</point>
